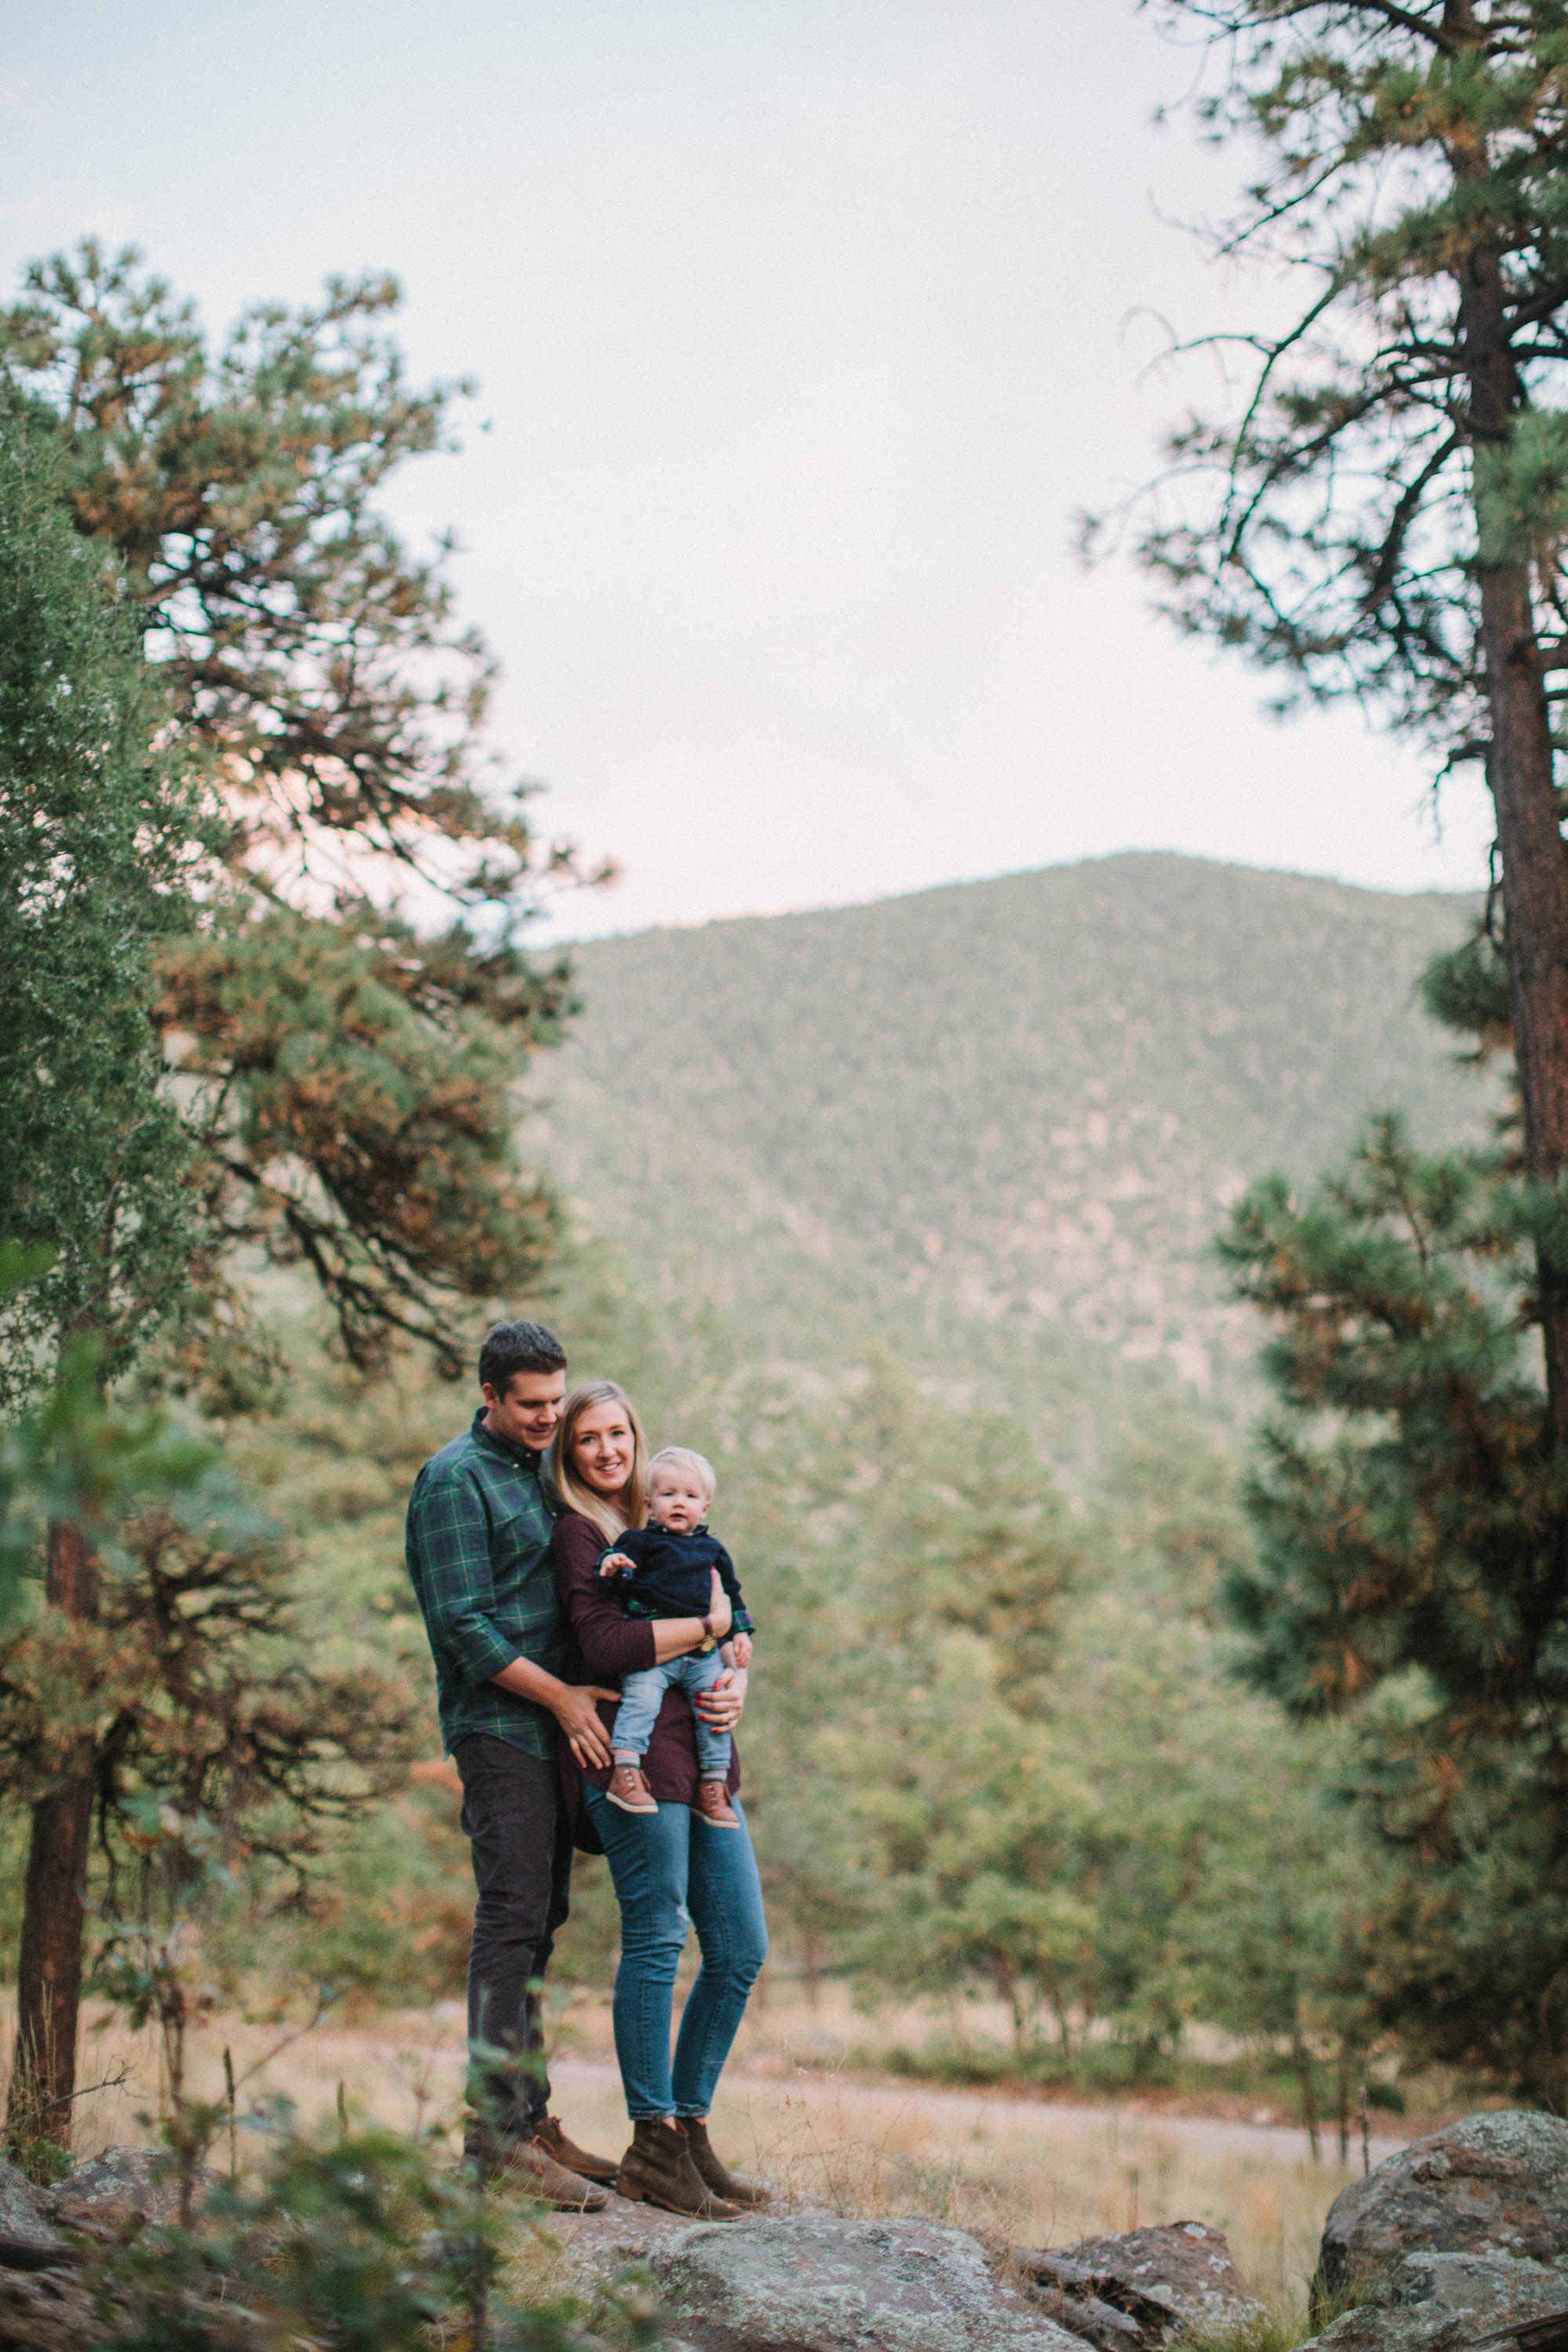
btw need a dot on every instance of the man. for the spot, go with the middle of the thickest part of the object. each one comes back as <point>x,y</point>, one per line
<point>478,1539</point>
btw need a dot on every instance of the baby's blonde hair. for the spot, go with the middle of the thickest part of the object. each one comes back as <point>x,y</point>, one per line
<point>686,1459</point>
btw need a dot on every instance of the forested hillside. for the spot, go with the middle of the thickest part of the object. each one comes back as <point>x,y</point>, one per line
<point>1021,1104</point>
<point>902,1213</point>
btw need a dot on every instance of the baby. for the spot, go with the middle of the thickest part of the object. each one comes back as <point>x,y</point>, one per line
<point>669,1568</point>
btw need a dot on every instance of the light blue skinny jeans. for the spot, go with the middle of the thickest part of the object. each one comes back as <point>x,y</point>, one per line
<point>672,1873</point>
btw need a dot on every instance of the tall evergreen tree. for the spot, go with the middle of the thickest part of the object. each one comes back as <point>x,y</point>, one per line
<point>101,834</point>
<point>1410,1504</point>
<point>101,827</point>
<point>353,1070</point>
<point>1382,517</point>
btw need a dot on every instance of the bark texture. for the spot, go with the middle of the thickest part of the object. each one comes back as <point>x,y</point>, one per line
<point>1520,764</point>
<point>54,1918</point>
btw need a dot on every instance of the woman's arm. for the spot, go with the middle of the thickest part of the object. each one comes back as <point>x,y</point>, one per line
<point>673,1636</point>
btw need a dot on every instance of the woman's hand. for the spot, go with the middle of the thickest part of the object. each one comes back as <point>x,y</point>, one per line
<point>721,1706</point>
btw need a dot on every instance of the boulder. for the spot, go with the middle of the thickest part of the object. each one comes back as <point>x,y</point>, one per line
<point>1153,2281</point>
<point>27,2238</point>
<point>816,2283</point>
<point>1438,2302</point>
<point>43,2303</point>
<point>124,2186</point>
<point>1490,2184</point>
<point>49,2313</point>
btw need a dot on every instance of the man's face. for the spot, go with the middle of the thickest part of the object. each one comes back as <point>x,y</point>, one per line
<point>528,1412</point>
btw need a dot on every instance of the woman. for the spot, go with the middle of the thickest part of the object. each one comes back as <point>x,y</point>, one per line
<point>669,1872</point>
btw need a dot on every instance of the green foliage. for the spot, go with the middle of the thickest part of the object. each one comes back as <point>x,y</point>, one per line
<point>360,2239</point>
<point>195,1693</point>
<point>350,1075</point>
<point>239,486</point>
<point>351,1103</point>
<point>102,835</point>
<point>1422,1533</point>
<point>1405,164</point>
<point>70,1458</point>
<point>1409,1508</point>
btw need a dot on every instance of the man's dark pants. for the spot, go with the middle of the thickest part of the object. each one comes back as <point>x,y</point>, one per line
<point>521,1839</point>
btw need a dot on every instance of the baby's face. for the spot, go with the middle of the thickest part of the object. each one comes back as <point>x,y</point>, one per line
<point>678,1500</point>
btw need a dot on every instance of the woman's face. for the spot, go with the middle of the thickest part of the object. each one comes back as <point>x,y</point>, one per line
<point>603,1448</point>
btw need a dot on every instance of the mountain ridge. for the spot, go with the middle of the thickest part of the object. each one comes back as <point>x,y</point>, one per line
<point>1018,1106</point>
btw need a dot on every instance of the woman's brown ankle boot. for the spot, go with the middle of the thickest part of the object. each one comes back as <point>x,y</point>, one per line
<point>658,2170</point>
<point>735,2187</point>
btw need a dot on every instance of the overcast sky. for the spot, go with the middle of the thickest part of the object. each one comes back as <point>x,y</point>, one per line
<point>802,333</point>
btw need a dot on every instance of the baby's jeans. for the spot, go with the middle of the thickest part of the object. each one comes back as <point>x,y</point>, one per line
<point>642,1696</point>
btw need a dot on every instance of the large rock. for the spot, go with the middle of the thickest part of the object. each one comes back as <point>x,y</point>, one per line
<point>1490,2184</point>
<point>810,2283</point>
<point>1154,2281</point>
<point>24,2218</point>
<point>125,2186</point>
<point>43,2305</point>
<point>1435,2302</point>
<point>50,2312</point>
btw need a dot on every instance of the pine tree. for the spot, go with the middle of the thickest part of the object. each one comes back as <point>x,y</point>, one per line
<point>102,837</point>
<point>1411,1576</point>
<point>101,827</point>
<point>353,1070</point>
<point>1383,516</point>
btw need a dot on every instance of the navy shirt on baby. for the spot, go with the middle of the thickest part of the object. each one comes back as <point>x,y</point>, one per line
<point>672,1575</point>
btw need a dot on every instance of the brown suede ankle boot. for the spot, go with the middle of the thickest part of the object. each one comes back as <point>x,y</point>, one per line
<point>735,2187</point>
<point>713,1805</point>
<point>552,2139</point>
<point>658,2169</point>
<point>629,1790</point>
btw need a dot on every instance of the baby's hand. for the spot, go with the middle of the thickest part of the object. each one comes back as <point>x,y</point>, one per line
<point>613,1563</point>
<point>741,1648</point>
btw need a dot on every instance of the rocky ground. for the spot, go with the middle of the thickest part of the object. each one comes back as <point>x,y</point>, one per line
<point>1460,2239</point>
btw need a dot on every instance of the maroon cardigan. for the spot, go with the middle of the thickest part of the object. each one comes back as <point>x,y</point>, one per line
<point>604,1645</point>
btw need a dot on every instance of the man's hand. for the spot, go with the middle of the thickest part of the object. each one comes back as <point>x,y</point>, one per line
<point>721,1706</point>
<point>613,1563</point>
<point>577,1714</point>
<point>740,1649</point>
<point>719,1614</point>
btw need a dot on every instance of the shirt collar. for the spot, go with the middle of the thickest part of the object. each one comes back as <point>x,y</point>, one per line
<point>522,1457</point>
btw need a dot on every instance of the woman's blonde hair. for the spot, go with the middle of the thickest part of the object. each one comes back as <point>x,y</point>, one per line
<point>610,1521</point>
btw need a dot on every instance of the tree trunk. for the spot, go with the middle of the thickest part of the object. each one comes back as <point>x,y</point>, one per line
<point>1519,762</point>
<point>54,1915</point>
<point>1301,2058</point>
<point>1342,2104</point>
<point>1535,902</point>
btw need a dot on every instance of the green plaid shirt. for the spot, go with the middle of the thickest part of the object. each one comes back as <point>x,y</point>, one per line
<point>478,1542</point>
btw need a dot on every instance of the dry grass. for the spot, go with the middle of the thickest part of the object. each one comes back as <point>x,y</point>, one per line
<point>1038,2174</point>
<point>1021,2171</point>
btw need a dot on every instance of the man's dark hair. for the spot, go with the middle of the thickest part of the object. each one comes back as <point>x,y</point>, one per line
<point>518,1348</point>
